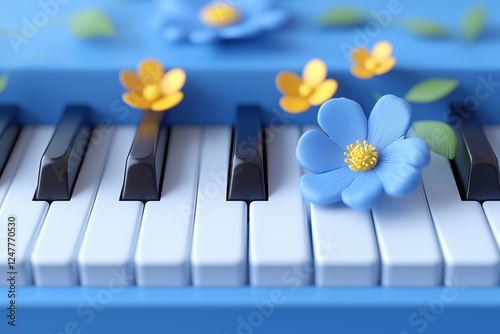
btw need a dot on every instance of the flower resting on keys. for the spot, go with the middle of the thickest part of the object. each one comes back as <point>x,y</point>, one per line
<point>311,90</point>
<point>151,88</point>
<point>377,62</point>
<point>358,160</point>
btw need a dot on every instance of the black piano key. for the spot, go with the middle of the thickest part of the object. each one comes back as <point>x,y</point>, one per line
<point>145,160</point>
<point>9,130</point>
<point>63,157</point>
<point>475,163</point>
<point>247,170</point>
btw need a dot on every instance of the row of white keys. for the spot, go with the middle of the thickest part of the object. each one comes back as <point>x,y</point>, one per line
<point>279,241</point>
<point>470,254</point>
<point>19,203</point>
<point>106,253</point>
<point>219,252</point>
<point>492,208</point>
<point>54,255</point>
<point>164,246</point>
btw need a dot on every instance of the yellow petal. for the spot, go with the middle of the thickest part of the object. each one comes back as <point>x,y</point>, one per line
<point>385,66</point>
<point>305,90</point>
<point>370,64</point>
<point>130,81</point>
<point>150,71</point>
<point>172,81</point>
<point>294,104</point>
<point>360,55</point>
<point>167,102</point>
<point>382,50</point>
<point>323,92</point>
<point>288,83</point>
<point>314,72</point>
<point>136,101</point>
<point>361,72</point>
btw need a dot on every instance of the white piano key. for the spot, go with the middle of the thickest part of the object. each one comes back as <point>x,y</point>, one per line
<point>18,152</point>
<point>469,250</point>
<point>492,208</point>
<point>54,255</point>
<point>164,246</point>
<point>345,246</point>
<point>109,241</point>
<point>19,203</point>
<point>408,245</point>
<point>219,252</point>
<point>279,241</point>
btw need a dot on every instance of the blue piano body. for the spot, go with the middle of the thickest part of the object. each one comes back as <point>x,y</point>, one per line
<point>49,68</point>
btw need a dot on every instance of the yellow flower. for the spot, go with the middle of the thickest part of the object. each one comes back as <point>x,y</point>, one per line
<point>151,88</point>
<point>310,90</point>
<point>379,61</point>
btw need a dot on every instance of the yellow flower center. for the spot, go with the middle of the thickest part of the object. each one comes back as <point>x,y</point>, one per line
<point>305,90</point>
<point>361,157</point>
<point>151,92</point>
<point>371,64</point>
<point>219,14</point>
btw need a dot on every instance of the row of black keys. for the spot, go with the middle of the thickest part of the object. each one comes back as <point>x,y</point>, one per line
<point>61,161</point>
<point>475,165</point>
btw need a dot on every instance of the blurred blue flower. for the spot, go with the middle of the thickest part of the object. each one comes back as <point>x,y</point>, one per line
<point>358,160</point>
<point>202,21</point>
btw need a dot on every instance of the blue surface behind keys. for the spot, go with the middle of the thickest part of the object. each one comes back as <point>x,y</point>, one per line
<point>53,69</point>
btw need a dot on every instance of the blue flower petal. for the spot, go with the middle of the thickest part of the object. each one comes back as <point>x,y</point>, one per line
<point>257,16</point>
<point>389,120</point>
<point>413,151</point>
<point>317,153</point>
<point>326,188</point>
<point>174,33</point>
<point>343,120</point>
<point>271,19</point>
<point>202,36</point>
<point>399,165</point>
<point>245,29</point>
<point>364,192</point>
<point>398,179</point>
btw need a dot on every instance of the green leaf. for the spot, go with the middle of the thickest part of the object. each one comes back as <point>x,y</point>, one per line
<point>431,90</point>
<point>439,135</point>
<point>4,80</point>
<point>342,17</point>
<point>425,28</point>
<point>376,95</point>
<point>473,22</point>
<point>91,23</point>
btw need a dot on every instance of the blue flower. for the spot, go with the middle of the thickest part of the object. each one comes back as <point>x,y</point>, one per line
<point>358,160</point>
<point>202,21</point>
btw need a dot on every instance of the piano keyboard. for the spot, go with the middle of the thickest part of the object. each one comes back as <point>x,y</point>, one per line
<point>194,236</point>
